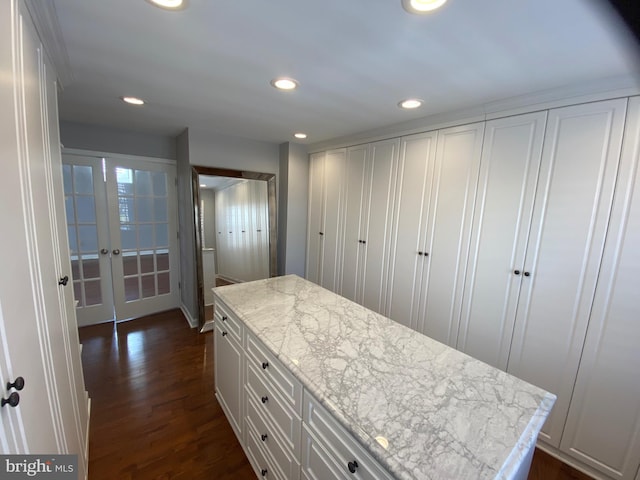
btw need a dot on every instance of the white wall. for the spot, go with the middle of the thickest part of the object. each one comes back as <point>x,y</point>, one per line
<point>112,140</point>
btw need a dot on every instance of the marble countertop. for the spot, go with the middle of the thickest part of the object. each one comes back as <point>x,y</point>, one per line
<point>442,413</point>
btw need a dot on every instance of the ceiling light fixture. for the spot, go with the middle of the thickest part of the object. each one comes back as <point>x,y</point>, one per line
<point>169,4</point>
<point>133,100</point>
<point>410,103</point>
<point>300,135</point>
<point>203,185</point>
<point>284,83</point>
<point>422,6</point>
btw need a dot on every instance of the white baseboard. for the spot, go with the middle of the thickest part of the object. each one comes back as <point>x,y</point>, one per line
<point>86,442</point>
<point>193,323</point>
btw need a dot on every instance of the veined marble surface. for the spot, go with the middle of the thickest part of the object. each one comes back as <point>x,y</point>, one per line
<point>444,414</point>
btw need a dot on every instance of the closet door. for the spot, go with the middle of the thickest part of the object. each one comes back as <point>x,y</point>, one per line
<point>316,218</point>
<point>334,164</point>
<point>378,207</point>
<point>603,426</point>
<point>354,225</point>
<point>448,230</point>
<point>407,259</point>
<point>575,189</point>
<point>504,204</point>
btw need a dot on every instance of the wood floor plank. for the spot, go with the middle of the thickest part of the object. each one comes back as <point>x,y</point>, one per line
<point>154,415</point>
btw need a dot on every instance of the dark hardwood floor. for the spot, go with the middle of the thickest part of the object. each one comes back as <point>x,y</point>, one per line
<point>153,412</point>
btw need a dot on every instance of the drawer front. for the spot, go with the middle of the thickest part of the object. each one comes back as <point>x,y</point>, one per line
<point>317,463</point>
<point>281,414</point>
<point>227,321</point>
<point>270,439</point>
<point>258,458</point>
<point>337,441</point>
<point>274,372</point>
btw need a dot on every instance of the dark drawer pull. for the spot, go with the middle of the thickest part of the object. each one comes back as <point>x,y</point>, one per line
<point>265,365</point>
<point>353,466</point>
<point>263,472</point>
<point>224,334</point>
<point>264,437</point>
<point>224,318</point>
<point>264,399</point>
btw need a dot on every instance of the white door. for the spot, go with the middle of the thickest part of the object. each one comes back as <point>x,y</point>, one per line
<point>352,246</point>
<point>378,208</point>
<point>603,425</point>
<point>449,229</point>
<point>315,225</point>
<point>37,320</point>
<point>571,212</point>
<point>121,218</point>
<point>415,174</point>
<point>506,189</point>
<point>88,230</point>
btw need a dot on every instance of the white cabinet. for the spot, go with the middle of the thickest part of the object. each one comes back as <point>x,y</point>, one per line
<point>325,218</point>
<point>368,212</point>
<point>565,243</point>
<point>408,260</point>
<point>504,205</point>
<point>228,367</point>
<point>603,425</point>
<point>448,228</point>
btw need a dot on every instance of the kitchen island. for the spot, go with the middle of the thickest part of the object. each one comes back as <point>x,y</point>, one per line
<point>335,372</point>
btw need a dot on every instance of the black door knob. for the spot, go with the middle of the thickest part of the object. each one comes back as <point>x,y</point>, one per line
<point>63,280</point>
<point>353,466</point>
<point>265,365</point>
<point>264,437</point>
<point>116,252</point>
<point>13,400</point>
<point>263,472</point>
<point>321,233</point>
<point>517,272</point>
<point>224,318</point>
<point>419,253</point>
<point>224,334</point>
<point>104,251</point>
<point>18,384</point>
<point>264,399</point>
<point>426,254</point>
<point>526,274</point>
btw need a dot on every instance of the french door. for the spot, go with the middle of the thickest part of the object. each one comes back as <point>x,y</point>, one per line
<point>121,219</point>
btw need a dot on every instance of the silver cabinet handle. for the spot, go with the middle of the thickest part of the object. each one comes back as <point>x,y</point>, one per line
<point>116,252</point>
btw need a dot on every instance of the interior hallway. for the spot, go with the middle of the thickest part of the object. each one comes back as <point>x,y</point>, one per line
<point>153,410</point>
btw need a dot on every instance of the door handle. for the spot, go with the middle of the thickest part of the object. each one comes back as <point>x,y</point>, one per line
<point>63,280</point>
<point>13,400</point>
<point>104,251</point>
<point>18,384</point>
<point>116,252</point>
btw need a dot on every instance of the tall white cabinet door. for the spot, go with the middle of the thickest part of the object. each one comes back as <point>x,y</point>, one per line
<point>506,189</point>
<point>332,212</point>
<point>383,162</point>
<point>315,226</point>
<point>603,425</point>
<point>449,227</point>
<point>354,195</point>
<point>407,259</point>
<point>575,189</point>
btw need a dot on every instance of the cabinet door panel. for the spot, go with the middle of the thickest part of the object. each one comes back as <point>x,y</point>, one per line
<point>379,208</point>
<point>508,177</point>
<point>331,253</point>
<point>579,164</point>
<point>415,173</point>
<point>453,195</point>
<point>314,239</point>
<point>603,425</point>
<point>229,385</point>
<point>354,220</point>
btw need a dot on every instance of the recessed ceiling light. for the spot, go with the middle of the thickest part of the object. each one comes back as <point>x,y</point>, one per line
<point>133,100</point>
<point>203,185</point>
<point>410,103</point>
<point>284,83</point>
<point>422,6</point>
<point>300,135</point>
<point>169,4</point>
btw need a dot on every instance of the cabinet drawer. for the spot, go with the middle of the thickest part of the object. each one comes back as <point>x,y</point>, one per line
<point>281,414</point>
<point>272,370</point>
<point>270,438</point>
<point>339,443</point>
<point>258,458</point>
<point>227,321</point>
<point>317,463</point>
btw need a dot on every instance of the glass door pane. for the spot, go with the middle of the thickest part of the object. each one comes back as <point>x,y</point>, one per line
<point>88,236</point>
<point>143,231</point>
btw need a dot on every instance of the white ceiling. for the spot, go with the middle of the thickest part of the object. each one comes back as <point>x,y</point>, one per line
<point>209,66</point>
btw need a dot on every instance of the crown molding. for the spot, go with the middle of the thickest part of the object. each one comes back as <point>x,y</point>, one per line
<point>45,19</point>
